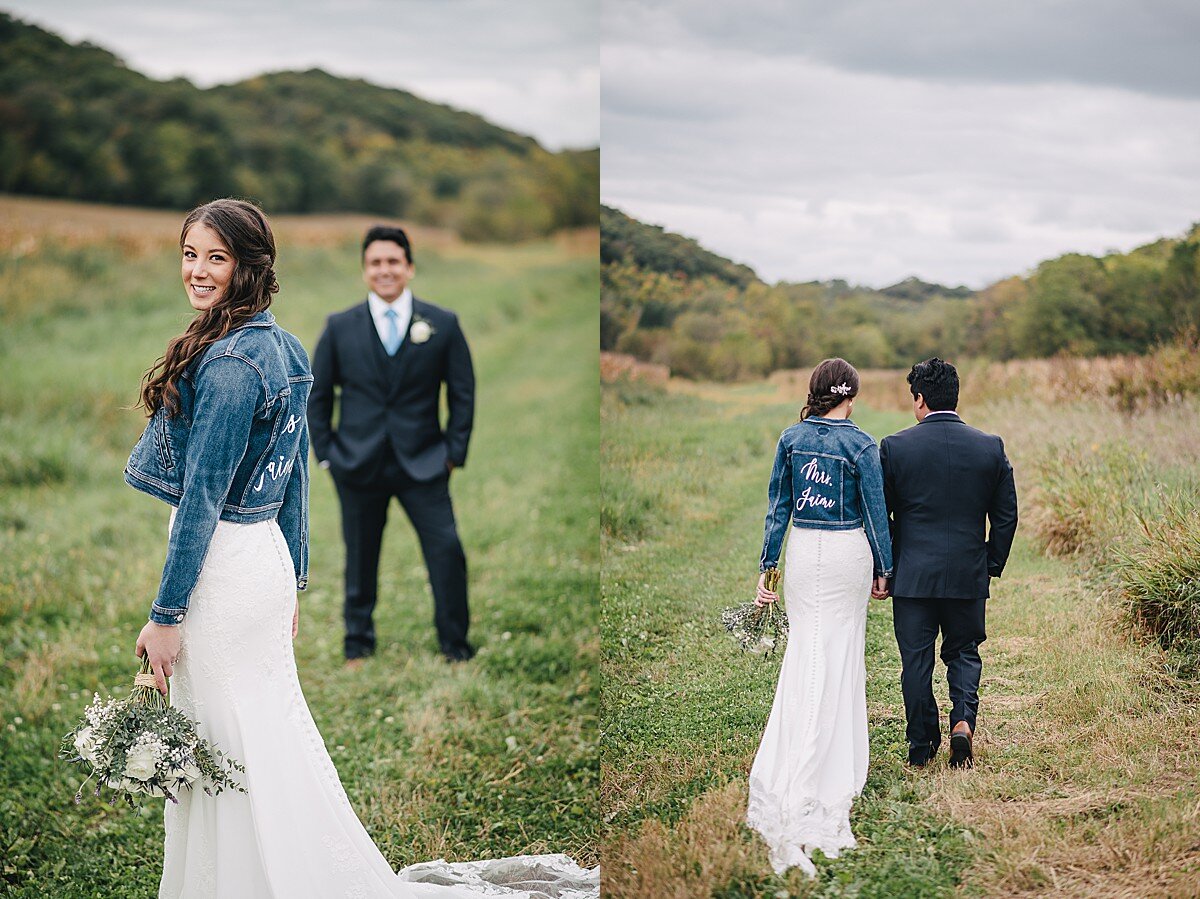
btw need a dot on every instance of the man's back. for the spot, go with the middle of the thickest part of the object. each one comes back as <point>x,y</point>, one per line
<point>944,481</point>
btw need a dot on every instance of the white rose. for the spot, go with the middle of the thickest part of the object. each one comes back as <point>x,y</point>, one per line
<point>140,763</point>
<point>85,744</point>
<point>420,331</point>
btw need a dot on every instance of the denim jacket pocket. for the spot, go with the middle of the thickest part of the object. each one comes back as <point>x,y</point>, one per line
<point>162,439</point>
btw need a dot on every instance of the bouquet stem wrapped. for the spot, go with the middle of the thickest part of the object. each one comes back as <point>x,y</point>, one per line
<point>143,746</point>
<point>759,630</point>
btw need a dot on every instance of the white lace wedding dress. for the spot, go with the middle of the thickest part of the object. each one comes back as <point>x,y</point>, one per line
<point>293,834</point>
<point>812,761</point>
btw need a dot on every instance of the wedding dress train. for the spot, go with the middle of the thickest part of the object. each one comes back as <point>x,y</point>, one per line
<point>812,760</point>
<point>293,834</point>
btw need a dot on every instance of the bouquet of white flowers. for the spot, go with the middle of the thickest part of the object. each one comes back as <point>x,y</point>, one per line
<point>143,746</point>
<point>758,629</point>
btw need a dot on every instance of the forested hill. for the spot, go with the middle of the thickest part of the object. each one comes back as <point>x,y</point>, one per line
<point>76,122</point>
<point>626,240</point>
<point>666,299</point>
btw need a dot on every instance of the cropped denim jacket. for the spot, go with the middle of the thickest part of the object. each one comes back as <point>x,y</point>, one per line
<point>237,450</point>
<point>827,475</point>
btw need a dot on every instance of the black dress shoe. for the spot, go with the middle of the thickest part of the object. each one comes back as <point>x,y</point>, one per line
<point>961,755</point>
<point>463,653</point>
<point>921,754</point>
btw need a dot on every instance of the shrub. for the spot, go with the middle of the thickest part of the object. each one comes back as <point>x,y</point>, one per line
<point>1086,494</point>
<point>1159,580</point>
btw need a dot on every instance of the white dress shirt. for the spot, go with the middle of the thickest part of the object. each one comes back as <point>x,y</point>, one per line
<point>403,306</point>
<point>928,414</point>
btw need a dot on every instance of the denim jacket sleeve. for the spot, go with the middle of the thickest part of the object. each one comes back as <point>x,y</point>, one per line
<point>779,507</point>
<point>293,514</point>
<point>875,519</point>
<point>229,391</point>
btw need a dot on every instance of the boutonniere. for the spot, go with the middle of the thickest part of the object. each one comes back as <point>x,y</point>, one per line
<point>420,331</point>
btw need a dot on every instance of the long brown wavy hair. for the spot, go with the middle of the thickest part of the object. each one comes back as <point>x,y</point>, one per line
<point>247,236</point>
<point>829,374</point>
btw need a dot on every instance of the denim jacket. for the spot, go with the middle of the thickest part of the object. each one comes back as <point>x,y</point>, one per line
<point>827,475</point>
<point>237,451</point>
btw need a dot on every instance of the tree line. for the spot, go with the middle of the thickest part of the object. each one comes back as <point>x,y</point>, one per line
<point>75,122</point>
<point>668,300</point>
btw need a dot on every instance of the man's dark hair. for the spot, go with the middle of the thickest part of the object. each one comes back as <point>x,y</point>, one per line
<point>937,381</point>
<point>388,232</point>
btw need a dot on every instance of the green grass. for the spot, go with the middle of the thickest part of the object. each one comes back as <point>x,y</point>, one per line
<point>493,758</point>
<point>1066,771</point>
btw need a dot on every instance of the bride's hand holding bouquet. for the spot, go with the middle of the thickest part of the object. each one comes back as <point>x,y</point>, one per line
<point>768,588</point>
<point>159,644</point>
<point>761,626</point>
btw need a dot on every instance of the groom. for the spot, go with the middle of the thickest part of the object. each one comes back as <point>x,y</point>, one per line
<point>943,482</point>
<point>386,359</point>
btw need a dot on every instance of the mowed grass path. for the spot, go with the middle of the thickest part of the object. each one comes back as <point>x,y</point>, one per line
<point>493,758</point>
<point>1077,792</point>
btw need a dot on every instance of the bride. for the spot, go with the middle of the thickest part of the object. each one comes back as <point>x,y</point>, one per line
<point>227,447</point>
<point>812,761</point>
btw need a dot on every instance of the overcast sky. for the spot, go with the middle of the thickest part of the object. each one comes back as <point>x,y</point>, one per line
<point>875,139</point>
<point>531,65</point>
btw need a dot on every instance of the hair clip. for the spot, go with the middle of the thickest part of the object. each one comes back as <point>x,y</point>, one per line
<point>842,389</point>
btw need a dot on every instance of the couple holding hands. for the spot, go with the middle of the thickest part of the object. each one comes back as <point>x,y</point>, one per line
<point>927,517</point>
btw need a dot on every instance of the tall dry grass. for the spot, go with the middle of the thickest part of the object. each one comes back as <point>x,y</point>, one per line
<point>1158,580</point>
<point>1127,384</point>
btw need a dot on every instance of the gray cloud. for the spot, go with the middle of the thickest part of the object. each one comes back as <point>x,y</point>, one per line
<point>1148,46</point>
<point>806,168</point>
<point>531,66</point>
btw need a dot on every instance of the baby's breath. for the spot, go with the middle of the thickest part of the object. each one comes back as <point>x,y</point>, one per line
<point>759,630</point>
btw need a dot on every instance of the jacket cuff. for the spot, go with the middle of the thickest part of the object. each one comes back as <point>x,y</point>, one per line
<point>887,574</point>
<point>302,583</point>
<point>169,617</point>
<point>767,566</point>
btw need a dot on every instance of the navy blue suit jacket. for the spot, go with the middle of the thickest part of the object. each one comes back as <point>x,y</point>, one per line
<point>393,398</point>
<point>944,482</point>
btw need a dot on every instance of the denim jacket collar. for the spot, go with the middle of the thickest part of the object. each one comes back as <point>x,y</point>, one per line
<point>831,421</point>
<point>262,319</point>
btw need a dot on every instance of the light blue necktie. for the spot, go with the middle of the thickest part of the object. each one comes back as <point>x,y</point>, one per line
<point>391,343</point>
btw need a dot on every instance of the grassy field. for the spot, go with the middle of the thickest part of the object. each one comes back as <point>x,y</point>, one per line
<point>492,758</point>
<point>1086,783</point>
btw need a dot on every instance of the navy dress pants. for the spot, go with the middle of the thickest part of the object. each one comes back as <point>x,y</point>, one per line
<point>961,623</point>
<point>364,514</point>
